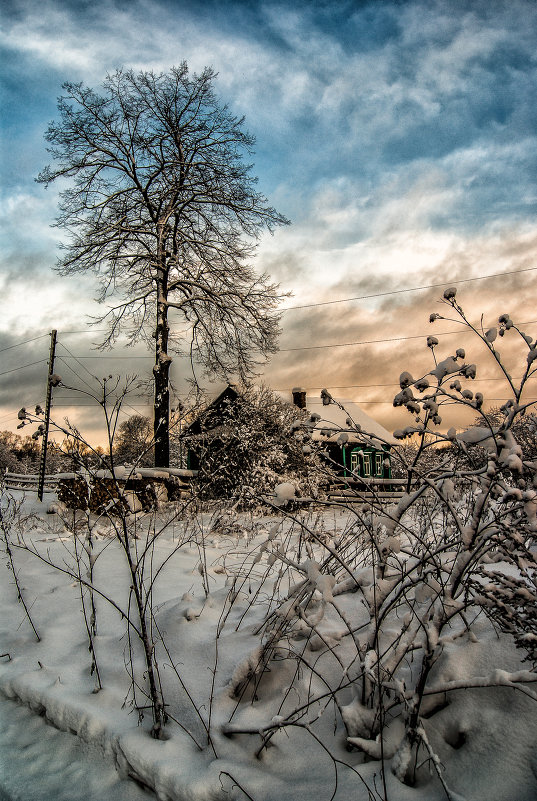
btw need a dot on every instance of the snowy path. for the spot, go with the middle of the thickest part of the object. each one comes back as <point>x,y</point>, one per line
<point>40,763</point>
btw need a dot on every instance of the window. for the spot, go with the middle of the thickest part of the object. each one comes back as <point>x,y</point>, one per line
<point>367,464</point>
<point>379,466</point>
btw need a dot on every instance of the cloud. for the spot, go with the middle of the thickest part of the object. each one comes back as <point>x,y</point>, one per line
<point>25,220</point>
<point>350,369</point>
<point>400,138</point>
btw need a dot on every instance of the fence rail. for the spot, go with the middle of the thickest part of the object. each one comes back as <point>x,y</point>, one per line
<point>341,491</point>
<point>29,482</point>
<point>358,497</point>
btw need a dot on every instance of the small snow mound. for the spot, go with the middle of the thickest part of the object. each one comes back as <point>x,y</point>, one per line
<point>358,719</point>
<point>56,508</point>
<point>283,493</point>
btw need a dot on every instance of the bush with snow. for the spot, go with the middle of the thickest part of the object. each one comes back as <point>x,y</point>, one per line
<point>380,610</point>
<point>260,441</point>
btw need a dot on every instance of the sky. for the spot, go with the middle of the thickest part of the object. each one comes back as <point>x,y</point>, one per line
<point>400,139</point>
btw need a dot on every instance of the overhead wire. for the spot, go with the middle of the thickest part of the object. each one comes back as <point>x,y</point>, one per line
<point>377,386</point>
<point>389,403</point>
<point>319,347</point>
<point>282,350</point>
<point>345,300</point>
<point>23,367</point>
<point>79,377</point>
<point>133,356</point>
<point>408,289</point>
<point>89,405</point>
<point>78,362</point>
<point>377,341</point>
<point>24,342</point>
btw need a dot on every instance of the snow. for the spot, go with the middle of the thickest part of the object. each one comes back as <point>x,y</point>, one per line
<point>283,493</point>
<point>333,420</point>
<point>126,472</point>
<point>60,739</point>
<point>41,763</point>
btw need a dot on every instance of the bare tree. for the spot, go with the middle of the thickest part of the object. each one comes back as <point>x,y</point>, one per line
<point>134,440</point>
<point>524,428</point>
<point>163,209</point>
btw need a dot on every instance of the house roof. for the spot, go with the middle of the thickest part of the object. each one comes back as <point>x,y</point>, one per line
<point>335,419</point>
<point>209,418</point>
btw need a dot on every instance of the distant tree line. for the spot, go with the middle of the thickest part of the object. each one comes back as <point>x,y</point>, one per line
<point>133,444</point>
<point>257,447</point>
<point>434,457</point>
<point>22,454</point>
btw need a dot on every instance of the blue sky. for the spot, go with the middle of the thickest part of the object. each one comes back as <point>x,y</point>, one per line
<point>400,138</point>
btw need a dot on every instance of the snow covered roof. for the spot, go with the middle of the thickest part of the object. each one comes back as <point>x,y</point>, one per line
<point>332,418</point>
<point>335,419</point>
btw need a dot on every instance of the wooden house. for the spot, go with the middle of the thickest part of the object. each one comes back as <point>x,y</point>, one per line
<point>356,446</point>
<point>210,427</point>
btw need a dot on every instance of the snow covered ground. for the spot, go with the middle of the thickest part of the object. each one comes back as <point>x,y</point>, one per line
<point>41,763</point>
<point>218,576</point>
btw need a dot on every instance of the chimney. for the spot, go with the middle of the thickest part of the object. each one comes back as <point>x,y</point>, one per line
<point>299,397</point>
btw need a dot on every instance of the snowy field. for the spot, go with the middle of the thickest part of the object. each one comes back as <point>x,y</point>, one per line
<point>258,658</point>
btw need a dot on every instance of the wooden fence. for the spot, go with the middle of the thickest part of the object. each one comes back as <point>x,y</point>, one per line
<point>28,483</point>
<point>343,491</point>
<point>367,490</point>
<point>97,489</point>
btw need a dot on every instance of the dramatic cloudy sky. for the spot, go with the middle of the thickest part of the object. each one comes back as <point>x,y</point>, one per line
<point>399,137</point>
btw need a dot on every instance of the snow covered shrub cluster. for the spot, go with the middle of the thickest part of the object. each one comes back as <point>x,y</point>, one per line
<point>366,623</point>
<point>257,444</point>
<point>12,525</point>
<point>492,498</point>
<point>112,517</point>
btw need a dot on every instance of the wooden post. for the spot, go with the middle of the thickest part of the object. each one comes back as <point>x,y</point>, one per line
<point>43,459</point>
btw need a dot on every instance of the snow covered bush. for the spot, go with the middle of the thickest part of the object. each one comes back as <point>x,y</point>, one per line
<point>12,524</point>
<point>367,621</point>
<point>111,515</point>
<point>257,444</point>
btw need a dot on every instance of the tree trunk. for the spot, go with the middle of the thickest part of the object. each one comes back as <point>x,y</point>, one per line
<point>161,370</point>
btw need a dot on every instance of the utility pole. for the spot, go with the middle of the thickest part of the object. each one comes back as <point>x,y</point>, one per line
<point>43,459</point>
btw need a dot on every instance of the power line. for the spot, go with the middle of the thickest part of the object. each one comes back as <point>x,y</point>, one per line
<point>110,357</point>
<point>377,341</point>
<point>96,404</point>
<point>376,386</point>
<point>89,331</point>
<point>25,342</point>
<point>23,366</point>
<point>320,347</point>
<point>80,363</point>
<point>63,360</point>
<point>323,303</point>
<point>409,289</point>
<point>389,403</point>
